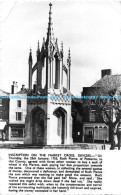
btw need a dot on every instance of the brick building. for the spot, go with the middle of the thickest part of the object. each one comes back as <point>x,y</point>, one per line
<point>77,125</point>
<point>94,125</point>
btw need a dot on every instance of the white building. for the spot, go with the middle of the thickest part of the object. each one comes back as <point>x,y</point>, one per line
<point>17,113</point>
<point>49,120</point>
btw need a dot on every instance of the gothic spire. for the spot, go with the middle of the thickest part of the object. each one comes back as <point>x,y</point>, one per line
<point>69,55</point>
<point>50,35</point>
<point>69,58</point>
<point>61,49</point>
<point>30,56</point>
<point>38,51</point>
<point>43,41</point>
<point>62,46</point>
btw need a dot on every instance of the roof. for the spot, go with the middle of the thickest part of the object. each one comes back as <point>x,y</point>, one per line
<point>104,86</point>
<point>94,91</point>
<point>3,93</point>
<point>109,82</point>
<point>23,91</point>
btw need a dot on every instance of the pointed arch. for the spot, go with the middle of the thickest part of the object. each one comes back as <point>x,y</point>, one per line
<point>38,122</point>
<point>61,125</point>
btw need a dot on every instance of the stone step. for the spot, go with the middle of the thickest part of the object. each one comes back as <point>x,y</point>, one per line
<point>72,147</point>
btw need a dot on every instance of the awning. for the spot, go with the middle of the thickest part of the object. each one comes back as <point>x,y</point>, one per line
<point>2,125</point>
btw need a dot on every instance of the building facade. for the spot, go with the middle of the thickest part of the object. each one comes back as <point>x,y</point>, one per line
<point>17,113</point>
<point>4,114</point>
<point>49,120</point>
<point>95,122</point>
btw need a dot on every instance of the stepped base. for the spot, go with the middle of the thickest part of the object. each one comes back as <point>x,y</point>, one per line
<point>68,147</point>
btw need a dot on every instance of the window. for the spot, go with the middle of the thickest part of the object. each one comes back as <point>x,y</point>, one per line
<point>78,133</point>
<point>103,133</point>
<point>16,132</point>
<point>19,103</point>
<point>0,115</point>
<point>92,115</point>
<point>93,102</point>
<point>18,116</point>
<point>0,102</point>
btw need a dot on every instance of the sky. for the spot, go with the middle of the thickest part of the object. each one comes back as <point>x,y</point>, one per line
<point>92,30</point>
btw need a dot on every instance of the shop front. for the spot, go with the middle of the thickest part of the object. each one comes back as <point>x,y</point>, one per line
<point>16,132</point>
<point>95,132</point>
<point>2,130</point>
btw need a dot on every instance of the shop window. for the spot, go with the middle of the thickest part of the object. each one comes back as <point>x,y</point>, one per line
<point>16,132</point>
<point>103,133</point>
<point>19,103</point>
<point>18,116</point>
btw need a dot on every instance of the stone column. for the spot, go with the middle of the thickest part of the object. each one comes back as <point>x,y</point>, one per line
<point>30,75</point>
<point>43,74</point>
<point>51,72</point>
<point>57,73</point>
<point>39,74</point>
<point>48,73</point>
<point>67,79</point>
<point>61,72</point>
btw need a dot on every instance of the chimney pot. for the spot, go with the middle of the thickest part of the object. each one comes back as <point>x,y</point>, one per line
<point>23,87</point>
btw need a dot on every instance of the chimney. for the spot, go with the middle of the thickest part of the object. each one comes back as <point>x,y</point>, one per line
<point>14,87</point>
<point>23,87</point>
<point>105,72</point>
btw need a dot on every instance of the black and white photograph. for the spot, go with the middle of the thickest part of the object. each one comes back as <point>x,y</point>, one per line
<point>60,96</point>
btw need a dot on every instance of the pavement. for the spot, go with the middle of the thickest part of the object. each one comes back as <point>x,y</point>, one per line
<point>11,142</point>
<point>82,146</point>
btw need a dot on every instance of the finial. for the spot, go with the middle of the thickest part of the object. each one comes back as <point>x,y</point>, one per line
<point>38,46</point>
<point>69,53</point>
<point>38,52</point>
<point>43,43</point>
<point>30,55</point>
<point>43,39</point>
<point>69,50</point>
<point>50,4</point>
<point>62,46</point>
<point>50,12</point>
<point>69,58</point>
